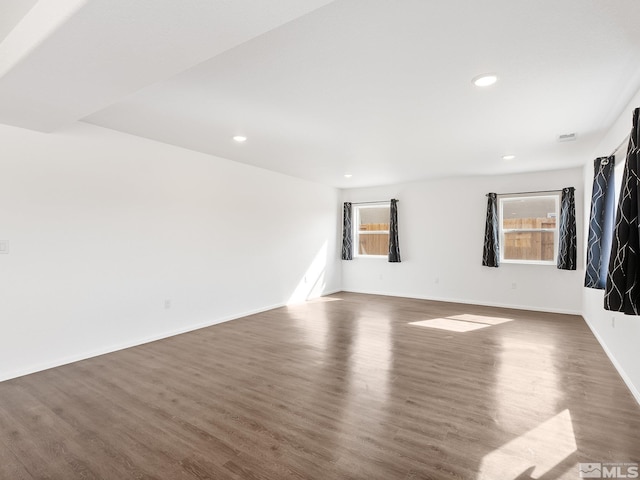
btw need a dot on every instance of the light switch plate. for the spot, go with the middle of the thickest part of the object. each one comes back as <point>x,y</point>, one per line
<point>4,246</point>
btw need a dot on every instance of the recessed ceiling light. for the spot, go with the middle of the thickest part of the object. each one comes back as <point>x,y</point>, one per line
<point>485,80</point>
<point>508,157</point>
<point>240,138</point>
<point>348,175</point>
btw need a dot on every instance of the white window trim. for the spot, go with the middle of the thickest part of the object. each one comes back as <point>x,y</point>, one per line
<point>356,231</point>
<point>502,231</point>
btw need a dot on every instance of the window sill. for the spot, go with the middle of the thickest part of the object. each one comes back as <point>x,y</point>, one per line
<point>528,262</point>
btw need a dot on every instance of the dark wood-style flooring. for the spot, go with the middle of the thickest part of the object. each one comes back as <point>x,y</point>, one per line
<point>344,387</point>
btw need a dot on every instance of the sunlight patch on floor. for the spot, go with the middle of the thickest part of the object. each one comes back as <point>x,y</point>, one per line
<point>537,452</point>
<point>461,323</point>
<point>450,325</point>
<point>468,317</point>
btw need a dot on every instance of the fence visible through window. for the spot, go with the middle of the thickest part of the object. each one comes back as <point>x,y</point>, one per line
<point>372,230</point>
<point>529,230</point>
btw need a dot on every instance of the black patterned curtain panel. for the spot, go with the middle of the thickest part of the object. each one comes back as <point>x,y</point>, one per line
<point>491,250</point>
<point>622,292</point>
<point>347,232</point>
<point>567,241</point>
<point>394,245</point>
<point>600,223</point>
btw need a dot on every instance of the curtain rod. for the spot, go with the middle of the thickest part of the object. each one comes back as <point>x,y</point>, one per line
<point>528,193</point>
<point>624,140</point>
<point>367,203</point>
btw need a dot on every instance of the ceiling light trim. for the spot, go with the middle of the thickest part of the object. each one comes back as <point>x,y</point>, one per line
<point>485,80</point>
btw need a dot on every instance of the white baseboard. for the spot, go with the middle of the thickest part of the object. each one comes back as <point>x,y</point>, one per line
<point>627,380</point>
<point>470,302</point>
<point>140,341</point>
<point>134,343</point>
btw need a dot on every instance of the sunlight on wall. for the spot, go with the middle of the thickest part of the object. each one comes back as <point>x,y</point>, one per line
<point>461,323</point>
<point>548,446</point>
<point>312,282</point>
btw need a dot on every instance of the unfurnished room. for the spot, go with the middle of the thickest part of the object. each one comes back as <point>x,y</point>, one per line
<point>319,239</point>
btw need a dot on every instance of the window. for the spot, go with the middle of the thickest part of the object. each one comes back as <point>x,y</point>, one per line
<point>371,230</point>
<point>529,228</point>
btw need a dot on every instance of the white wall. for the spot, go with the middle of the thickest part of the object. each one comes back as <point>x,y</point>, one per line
<point>618,333</point>
<point>104,227</point>
<point>441,228</point>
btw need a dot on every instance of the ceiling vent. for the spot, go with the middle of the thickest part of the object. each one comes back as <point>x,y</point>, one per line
<point>567,137</point>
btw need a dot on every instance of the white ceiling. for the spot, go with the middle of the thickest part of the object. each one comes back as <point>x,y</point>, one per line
<point>12,13</point>
<point>380,89</point>
<point>70,58</point>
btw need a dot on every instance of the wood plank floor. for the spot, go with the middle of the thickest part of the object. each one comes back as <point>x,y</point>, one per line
<point>345,387</point>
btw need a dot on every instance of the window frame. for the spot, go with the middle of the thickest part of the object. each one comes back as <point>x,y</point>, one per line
<point>356,228</point>
<point>556,231</point>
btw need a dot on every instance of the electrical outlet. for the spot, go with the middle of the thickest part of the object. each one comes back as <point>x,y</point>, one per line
<point>437,280</point>
<point>514,286</point>
<point>4,246</point>
<point>167,304</point>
